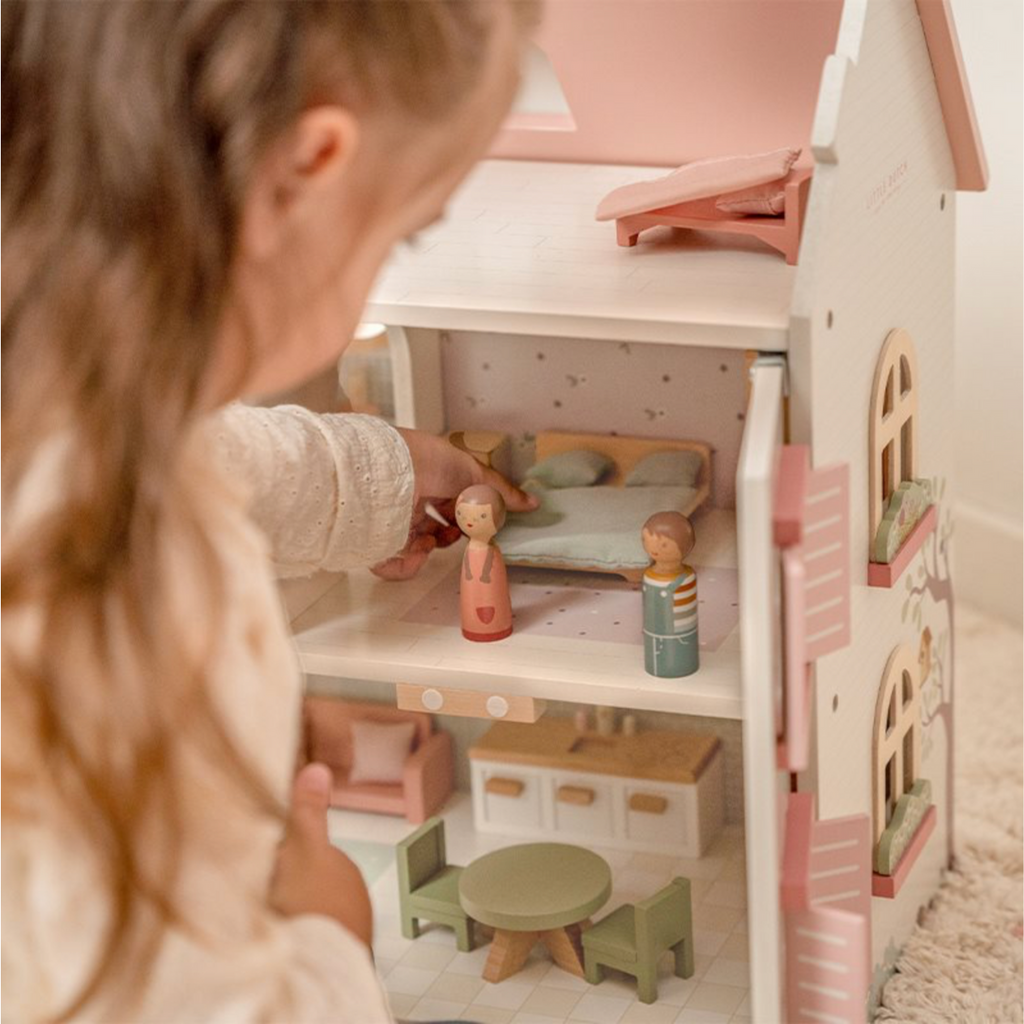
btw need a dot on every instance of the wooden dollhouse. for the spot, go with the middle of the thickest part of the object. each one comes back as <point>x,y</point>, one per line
<point>823,389</point>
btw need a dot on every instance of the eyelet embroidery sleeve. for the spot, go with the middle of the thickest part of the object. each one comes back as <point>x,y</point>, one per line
<point>331,491</point>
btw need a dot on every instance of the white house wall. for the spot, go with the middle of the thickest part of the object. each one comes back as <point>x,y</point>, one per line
<point>877,254</point>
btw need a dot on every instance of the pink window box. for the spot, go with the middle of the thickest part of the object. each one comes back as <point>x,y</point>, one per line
<point>887,886</point>
<point>885,575</point>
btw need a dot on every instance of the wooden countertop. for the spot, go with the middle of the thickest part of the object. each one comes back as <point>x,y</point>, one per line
<point>555,743</point>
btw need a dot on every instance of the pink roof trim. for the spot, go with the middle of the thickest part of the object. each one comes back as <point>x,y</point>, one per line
<point>954,94</point>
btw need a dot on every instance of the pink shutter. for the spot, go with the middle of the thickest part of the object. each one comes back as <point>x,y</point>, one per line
<point>840,864</point>
<point>826,969</point>
<point>826,898</point>
<point>827,561</point>
<point>812,527</point>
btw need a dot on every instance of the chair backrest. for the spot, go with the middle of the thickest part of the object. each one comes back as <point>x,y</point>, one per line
<point>663,919</point>
<point>421,855</point>
<point>327,723</point>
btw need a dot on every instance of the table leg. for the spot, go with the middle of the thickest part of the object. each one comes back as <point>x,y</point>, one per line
<point>509,951</point>
<point>565,946</point>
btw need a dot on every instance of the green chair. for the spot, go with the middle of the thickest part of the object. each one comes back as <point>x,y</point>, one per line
<point>633,938</point>
<point>428,887</point>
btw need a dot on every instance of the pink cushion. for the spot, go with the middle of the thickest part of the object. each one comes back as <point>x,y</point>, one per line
<point>697,180</point>
<point>379,751</point>
<point>766,200</point>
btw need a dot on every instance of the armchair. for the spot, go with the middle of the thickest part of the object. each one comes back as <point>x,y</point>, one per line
<point>428,774</point>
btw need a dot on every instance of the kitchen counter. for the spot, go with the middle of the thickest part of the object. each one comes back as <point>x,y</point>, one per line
<point>554,743</point>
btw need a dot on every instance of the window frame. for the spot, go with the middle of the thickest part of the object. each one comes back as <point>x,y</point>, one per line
<point>889,746</point>
<point>894,424</point>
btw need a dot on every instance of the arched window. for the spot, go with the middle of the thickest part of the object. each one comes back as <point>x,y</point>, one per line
<point>893,433</point>
<point>897,746</point>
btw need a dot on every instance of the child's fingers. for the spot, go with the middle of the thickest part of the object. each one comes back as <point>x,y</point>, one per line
<point>311,796</point>
<point>401,567</point>
<point>516,499</point>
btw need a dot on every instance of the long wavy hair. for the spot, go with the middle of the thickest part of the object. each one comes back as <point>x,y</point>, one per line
<point>130,134</point>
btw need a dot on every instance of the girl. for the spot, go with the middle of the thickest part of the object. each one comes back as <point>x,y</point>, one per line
<point>197,196</point>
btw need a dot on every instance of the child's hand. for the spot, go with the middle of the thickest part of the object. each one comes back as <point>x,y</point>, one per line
<point>312,876</point>
<point>442,473</point>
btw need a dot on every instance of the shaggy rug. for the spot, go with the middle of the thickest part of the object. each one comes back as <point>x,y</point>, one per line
<point>963,962</point>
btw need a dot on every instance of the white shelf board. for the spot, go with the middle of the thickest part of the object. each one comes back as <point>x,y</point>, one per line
<point>356,631</point>
<point>520,253</point>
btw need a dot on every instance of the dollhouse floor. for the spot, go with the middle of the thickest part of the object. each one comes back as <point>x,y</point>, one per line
<point>579,642</point>
<point>428,979</point>
<point>556,603</point>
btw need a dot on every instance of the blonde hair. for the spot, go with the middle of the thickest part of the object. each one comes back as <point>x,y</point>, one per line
<point>130,133</point>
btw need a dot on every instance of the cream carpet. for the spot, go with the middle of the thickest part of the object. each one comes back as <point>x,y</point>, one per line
<point>963,962</point>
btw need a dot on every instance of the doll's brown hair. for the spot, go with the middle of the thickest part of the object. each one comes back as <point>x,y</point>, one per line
<point>673,525</point>
<point>130,131</point>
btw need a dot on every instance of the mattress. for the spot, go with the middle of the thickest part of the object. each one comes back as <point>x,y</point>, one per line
<point>588,527</point>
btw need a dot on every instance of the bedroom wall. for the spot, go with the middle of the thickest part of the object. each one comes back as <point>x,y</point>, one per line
<point>519,385</point>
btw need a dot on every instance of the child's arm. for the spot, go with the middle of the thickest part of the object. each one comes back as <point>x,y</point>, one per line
<point>340,491</point>
<point>329,491</point>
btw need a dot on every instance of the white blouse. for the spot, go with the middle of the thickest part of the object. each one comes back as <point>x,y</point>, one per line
<point>329,492</point>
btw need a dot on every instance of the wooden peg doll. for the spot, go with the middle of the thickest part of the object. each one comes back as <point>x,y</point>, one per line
<point>483,589</point>
<point>670,597</point>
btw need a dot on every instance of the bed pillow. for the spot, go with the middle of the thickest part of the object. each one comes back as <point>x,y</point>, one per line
<point>579,468</point>
<point>666,469</point>
<point>697,180</point>
<point>764,200</point>
<point>380,750</point>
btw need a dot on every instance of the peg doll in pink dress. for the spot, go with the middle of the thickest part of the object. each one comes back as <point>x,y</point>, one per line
<point>483,589</point>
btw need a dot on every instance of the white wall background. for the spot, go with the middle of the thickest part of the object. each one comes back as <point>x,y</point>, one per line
<point>990,337</point>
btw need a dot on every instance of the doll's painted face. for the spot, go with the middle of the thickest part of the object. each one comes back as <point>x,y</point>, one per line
<point>476,521</point>
<point>660,549</point>
<point>667,538</point>
<point>480,512</point>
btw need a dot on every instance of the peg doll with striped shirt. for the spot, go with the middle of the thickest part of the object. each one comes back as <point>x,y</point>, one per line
<point>670,597</point>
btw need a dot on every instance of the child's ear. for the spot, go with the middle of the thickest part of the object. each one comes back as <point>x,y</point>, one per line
<point>295,175</point>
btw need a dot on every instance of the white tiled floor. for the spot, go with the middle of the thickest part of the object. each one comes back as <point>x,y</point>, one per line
<point>428,979</point>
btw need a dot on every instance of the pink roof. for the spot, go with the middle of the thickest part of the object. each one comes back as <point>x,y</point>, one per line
<point>665,83</point>
<point>954,94</point>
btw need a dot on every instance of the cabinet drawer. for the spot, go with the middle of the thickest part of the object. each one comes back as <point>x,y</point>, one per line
<point>660,817</point>
<point>583,806</point>
<point>508,798</point>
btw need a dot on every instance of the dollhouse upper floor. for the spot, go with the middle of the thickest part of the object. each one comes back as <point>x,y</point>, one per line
<point>519,252</point>
<point>619,92</point>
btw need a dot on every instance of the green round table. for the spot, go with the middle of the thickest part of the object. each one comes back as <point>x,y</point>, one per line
<point>537,892</point>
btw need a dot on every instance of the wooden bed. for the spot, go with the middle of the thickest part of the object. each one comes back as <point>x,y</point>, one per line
<point>625,452</point>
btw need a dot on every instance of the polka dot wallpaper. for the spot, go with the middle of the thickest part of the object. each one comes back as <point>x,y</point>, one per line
<point>520,385</point>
